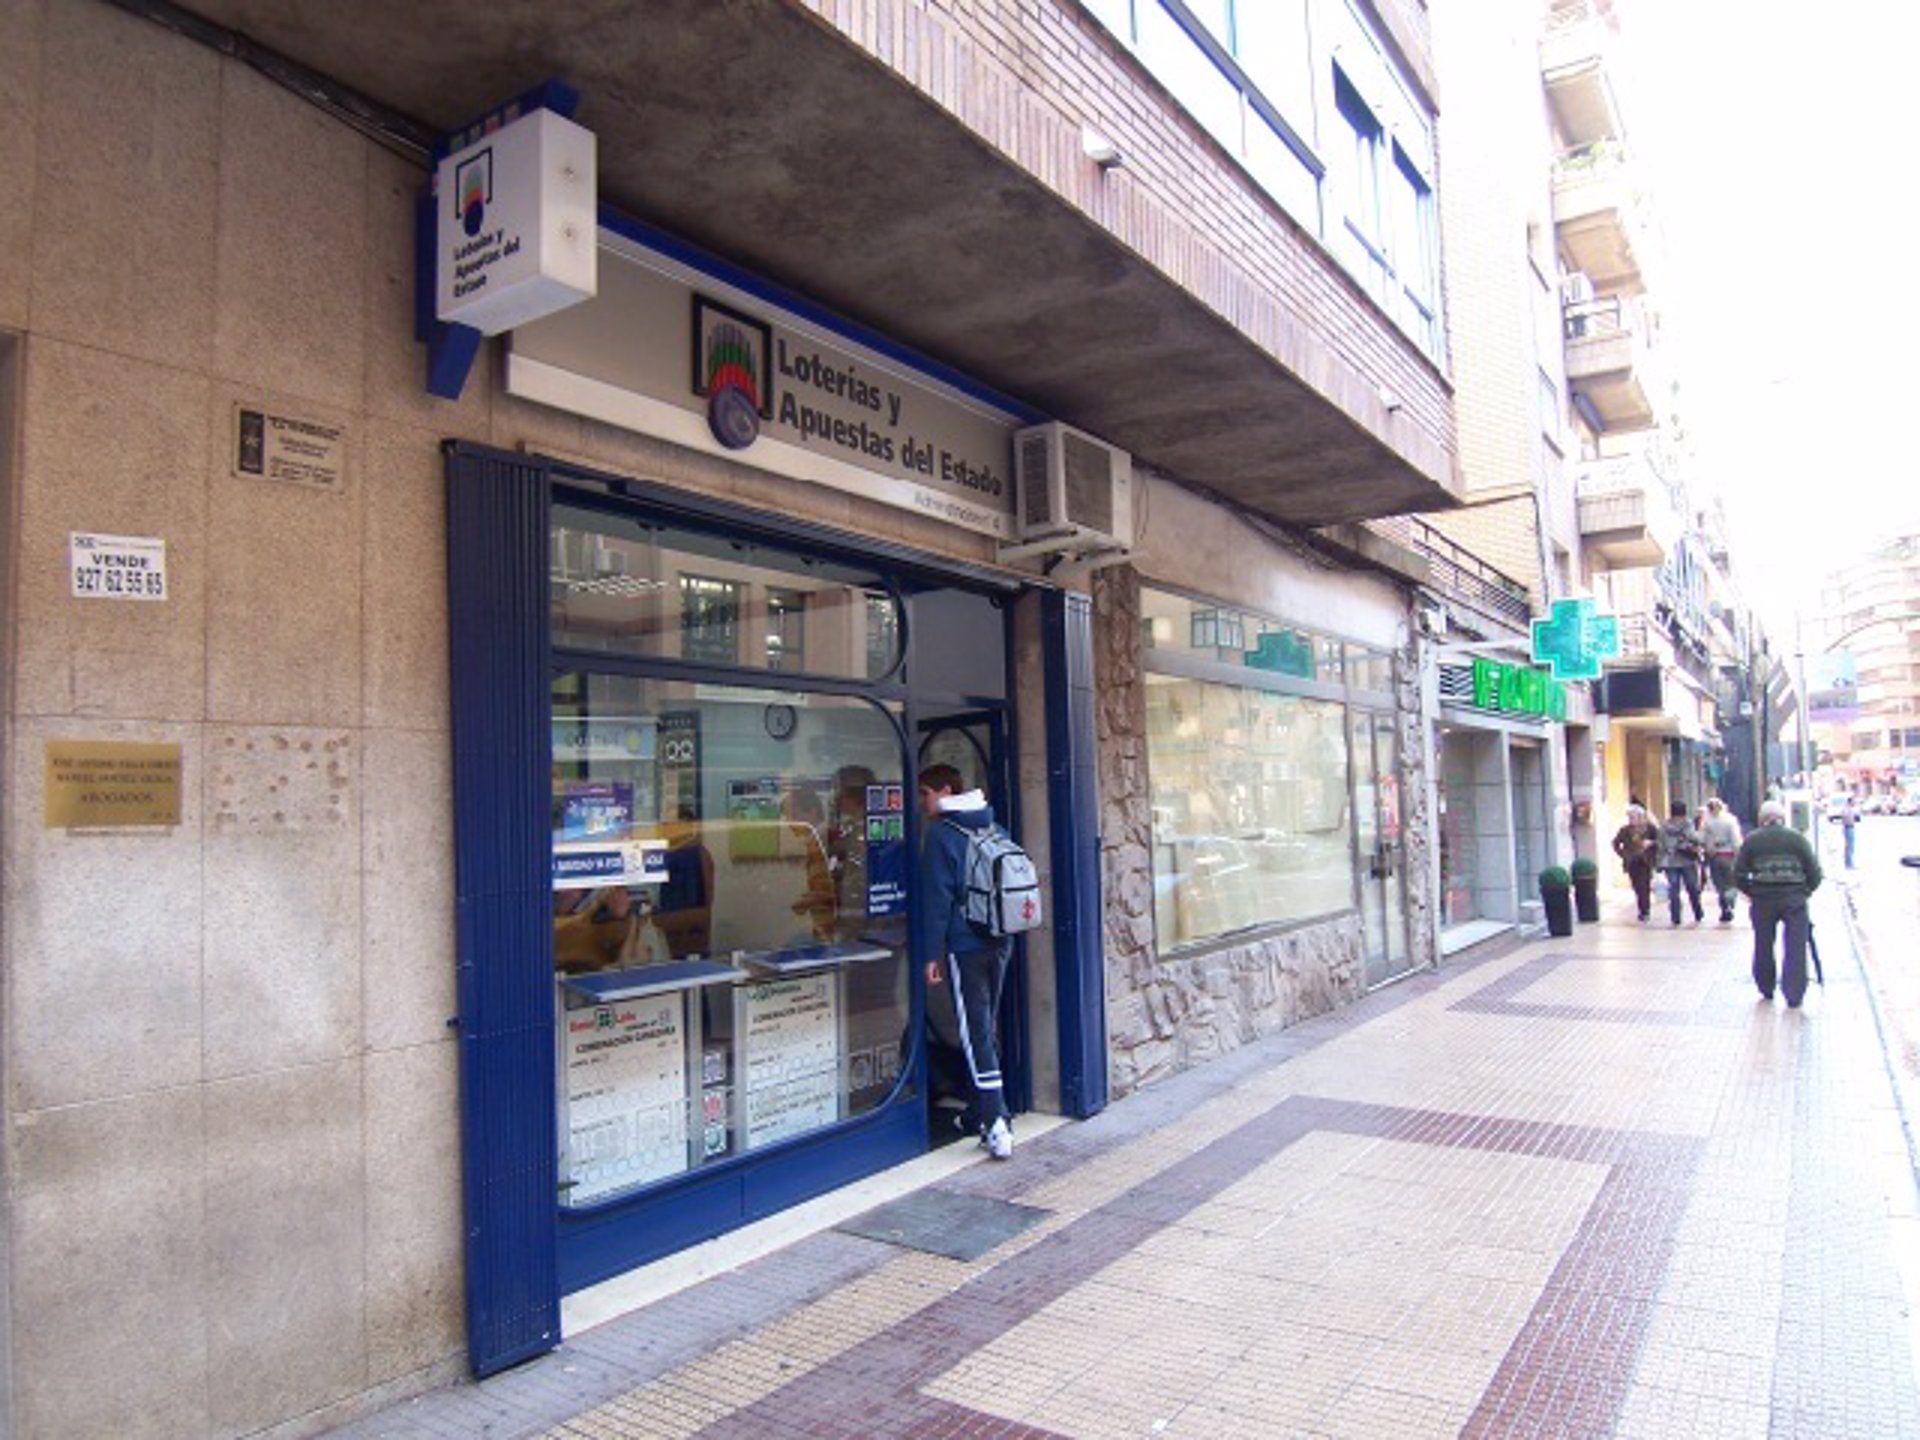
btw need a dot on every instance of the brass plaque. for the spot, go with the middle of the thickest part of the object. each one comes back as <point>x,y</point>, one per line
<point>111,782</point>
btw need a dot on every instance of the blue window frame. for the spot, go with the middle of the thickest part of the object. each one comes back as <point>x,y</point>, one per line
<point>524,1247</point>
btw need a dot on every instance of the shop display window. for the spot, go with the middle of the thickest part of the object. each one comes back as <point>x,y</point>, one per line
<point>729,920</point>
<point>1176,625</point>
<point>1251,814</point>
<point>620,585</point>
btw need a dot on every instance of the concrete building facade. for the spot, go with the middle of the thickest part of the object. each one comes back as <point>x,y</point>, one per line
<point>1864,669</point>
<point>276,1137</point>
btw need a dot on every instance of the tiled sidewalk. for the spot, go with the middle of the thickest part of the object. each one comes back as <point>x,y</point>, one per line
<point>1589,1187</point>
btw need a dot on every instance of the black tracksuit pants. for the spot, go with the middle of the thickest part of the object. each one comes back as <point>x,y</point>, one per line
<point>978,978</point>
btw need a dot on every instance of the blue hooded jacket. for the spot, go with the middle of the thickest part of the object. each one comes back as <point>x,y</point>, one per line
<point>940,923</point>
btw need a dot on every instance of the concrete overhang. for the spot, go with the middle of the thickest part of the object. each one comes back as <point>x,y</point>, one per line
<point>1573,66</point>
<point>753,129</point>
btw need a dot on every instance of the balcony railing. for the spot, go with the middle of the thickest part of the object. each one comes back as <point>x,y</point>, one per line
<point>1459,574</point>
<point>1608,360</point>
<point>1629,512</point>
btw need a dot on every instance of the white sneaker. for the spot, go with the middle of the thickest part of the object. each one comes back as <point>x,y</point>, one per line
<point>1000,1140</point>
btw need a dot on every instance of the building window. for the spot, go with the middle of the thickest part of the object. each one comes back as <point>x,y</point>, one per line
<point>1357,177</point>
<point>1218,630</point>
<point>1413,251</point>
<point>1354,171</point>
<point>652,591</point>
<point>786,629</point>
<point>709,620</point>
<point>883,635</point>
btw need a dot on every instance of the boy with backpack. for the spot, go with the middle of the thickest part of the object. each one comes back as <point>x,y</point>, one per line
<point>977,889</point>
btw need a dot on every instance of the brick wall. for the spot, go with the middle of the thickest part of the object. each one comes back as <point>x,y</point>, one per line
<point>1025,75</point>
<point>1494,184</point>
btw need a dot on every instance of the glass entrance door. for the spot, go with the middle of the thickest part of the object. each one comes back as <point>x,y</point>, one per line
<point>1383,913</point>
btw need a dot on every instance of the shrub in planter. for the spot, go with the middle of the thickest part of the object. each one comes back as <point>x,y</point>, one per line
<point>1556,898</point>
<point>1586,891</point>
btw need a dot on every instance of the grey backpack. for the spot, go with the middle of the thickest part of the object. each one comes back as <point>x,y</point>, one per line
<point>1002,894</point>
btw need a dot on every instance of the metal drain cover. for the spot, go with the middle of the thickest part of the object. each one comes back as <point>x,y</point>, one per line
<point>941,1222</point>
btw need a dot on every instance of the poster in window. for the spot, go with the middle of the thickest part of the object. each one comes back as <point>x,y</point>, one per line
<point>753,808</point>
<point>679,751</point>
<point>792,1039</point>
<point>886,850</point>
<point>626,1068</point>
<point>1389,792</point>
<point>593,807</point>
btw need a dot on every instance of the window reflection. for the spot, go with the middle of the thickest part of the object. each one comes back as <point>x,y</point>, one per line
<point>729,915</point>
<point>1250,808</point>
<point>621,586</point>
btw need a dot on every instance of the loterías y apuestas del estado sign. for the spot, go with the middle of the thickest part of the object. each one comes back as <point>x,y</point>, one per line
<point>697,358</point>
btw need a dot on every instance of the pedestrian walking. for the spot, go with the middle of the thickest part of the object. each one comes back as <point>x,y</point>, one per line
<point>1849,819</point>
<point>1777,870</point>
<point>1635,843</point>
<point>1679,854</point>
<point>1720,838</point>
<point>1700,845</point>
<point>966,968</point>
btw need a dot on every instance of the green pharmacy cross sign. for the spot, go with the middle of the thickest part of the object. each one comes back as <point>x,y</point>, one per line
<point>1573,639</point>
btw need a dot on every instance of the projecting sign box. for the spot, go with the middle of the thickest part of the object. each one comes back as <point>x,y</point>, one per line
<point>515,225</point>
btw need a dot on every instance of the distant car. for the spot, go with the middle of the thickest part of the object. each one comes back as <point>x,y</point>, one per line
<point>1908,804</point>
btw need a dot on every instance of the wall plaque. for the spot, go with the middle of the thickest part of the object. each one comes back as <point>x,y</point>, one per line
<point>111,782</point>
<point>289,448</point>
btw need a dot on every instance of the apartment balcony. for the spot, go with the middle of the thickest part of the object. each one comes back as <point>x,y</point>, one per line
<point>1634,598</point>
<point>1596,215</point>
<point>1607,364</point>
<point>1627,514</point>
<point>1574,69</point>
<point>1493,600</point>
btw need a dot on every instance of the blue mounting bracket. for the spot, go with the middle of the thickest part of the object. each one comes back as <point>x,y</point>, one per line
<point>452,348</point>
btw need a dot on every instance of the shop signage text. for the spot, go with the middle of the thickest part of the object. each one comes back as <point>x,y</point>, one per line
<point>117,567</point>
<point>769,387</point>
<point>1518,690</point>
<point>515,223</point>
<point>111,782</point>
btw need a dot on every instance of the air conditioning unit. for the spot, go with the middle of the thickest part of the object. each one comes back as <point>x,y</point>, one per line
<point>1071,488</point>
<point>1576,288</point>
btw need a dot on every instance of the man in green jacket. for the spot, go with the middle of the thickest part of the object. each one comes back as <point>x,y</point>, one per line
<point>1777,870</point>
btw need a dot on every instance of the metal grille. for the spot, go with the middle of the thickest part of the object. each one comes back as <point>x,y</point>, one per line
<point>1089,484</point>
<point>1033,482</point>
<point>1458,573</point>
